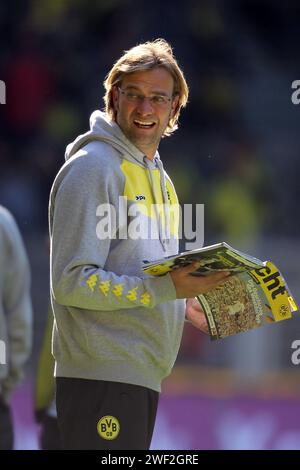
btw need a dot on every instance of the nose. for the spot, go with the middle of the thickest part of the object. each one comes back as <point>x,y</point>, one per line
<point>145,107</point>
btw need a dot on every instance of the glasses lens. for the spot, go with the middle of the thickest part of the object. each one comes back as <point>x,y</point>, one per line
<point>155,100</point>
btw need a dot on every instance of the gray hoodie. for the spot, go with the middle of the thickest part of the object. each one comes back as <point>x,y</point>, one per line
<point>112,321</point>
<point>15,305</point>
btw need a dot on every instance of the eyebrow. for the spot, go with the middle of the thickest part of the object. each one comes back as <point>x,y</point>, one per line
<point>134,87</point>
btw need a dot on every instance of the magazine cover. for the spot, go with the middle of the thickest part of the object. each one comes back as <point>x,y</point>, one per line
<point>246,301</point>
<point>254,295</point>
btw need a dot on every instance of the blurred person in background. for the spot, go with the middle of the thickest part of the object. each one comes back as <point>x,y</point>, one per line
<point>45,407</point>
<point>44,396</point>
<point>15,319</point>
<point>116,330</point>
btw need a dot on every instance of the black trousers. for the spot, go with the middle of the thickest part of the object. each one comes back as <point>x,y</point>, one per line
<point>102,415</point>
<point>49,437</point>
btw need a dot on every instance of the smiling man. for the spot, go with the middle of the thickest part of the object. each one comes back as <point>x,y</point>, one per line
<point>144,106</point>
<point>117,331</point>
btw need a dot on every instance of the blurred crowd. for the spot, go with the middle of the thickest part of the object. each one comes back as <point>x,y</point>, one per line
<point>237,135</point>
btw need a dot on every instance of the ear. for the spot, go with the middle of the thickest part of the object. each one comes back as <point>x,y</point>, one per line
<point>115,97</point>
<point>174,106</point>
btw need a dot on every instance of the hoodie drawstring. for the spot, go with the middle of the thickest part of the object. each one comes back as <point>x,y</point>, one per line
<point>164,234</point>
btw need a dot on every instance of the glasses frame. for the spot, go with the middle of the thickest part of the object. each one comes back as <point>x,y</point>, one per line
<point>140,98</point>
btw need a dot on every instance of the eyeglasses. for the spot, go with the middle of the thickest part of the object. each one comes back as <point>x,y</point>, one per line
<point>158,101</point>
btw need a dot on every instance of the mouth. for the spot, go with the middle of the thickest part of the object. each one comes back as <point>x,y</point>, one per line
<point>144,124</point>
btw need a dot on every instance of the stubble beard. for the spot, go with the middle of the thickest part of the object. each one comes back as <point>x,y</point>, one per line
<point>143,143</point>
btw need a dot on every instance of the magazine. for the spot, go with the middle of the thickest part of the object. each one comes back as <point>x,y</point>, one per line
<point>254,295</point>
<point>218,257</point>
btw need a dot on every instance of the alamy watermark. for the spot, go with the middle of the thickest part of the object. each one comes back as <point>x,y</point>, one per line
<point>2,92</point>
<point>141,221</point>
<point>2,353</point>
<point>295,357</point>
<point>295,97</point>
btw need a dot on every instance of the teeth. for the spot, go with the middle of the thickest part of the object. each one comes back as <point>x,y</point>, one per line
<point>144,123</point>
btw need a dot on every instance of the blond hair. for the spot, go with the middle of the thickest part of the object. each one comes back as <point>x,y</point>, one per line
<point>143,57</point>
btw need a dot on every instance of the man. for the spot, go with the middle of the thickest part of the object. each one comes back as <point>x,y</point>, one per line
<point>117,331</point>
<point>15,318</point>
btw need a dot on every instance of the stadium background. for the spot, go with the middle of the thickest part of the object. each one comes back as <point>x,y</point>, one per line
<point>236,151</point>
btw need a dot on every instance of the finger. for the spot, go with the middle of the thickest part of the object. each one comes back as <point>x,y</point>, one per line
<point>190,268</point>
<point>220,275</point>
<point>217,277</point>
<point>206,283</point>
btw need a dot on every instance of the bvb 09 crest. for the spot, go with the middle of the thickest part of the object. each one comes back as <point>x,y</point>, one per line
<point>108,427</point>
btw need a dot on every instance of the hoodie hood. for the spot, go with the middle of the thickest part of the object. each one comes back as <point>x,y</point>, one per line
<point>104,130</point>
<point>107,131</point>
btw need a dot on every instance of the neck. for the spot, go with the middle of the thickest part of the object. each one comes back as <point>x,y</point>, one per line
<point>151,156</point>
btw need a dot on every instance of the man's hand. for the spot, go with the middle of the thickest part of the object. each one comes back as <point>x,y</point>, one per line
<point>195,315</point>
<point>188,286</point>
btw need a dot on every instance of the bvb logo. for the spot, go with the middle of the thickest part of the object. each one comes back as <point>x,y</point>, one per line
<point>284,310</point>
<point>108,427</point>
